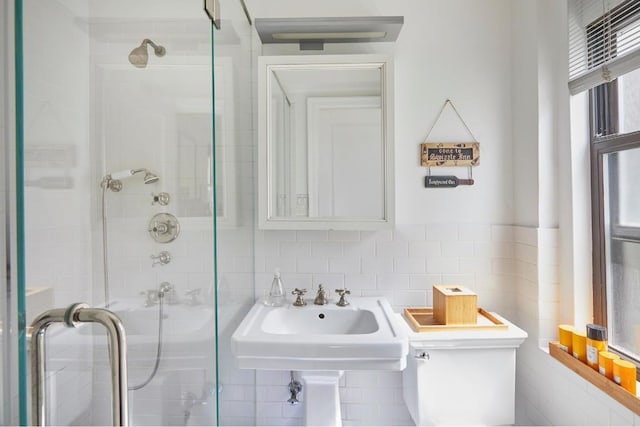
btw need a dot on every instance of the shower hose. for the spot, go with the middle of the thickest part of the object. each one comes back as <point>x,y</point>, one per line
<point>158,348</point>
<point>106,293</point>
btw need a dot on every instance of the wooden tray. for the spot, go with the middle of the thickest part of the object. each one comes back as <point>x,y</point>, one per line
<point>627,399</point>
<point>422,320</point>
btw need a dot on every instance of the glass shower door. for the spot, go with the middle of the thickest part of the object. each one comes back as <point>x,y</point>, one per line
<point>118,202</point>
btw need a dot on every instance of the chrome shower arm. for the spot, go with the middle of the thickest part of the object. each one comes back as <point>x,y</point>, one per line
<point>149,41</point>
<point>157,49</point>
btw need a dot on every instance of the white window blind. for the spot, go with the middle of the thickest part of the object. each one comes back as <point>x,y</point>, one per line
<point>604,41</point>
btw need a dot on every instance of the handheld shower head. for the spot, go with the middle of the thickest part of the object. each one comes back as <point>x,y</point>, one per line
<point>113,180</point>
<point>140,55</point>
<point>124,174</point>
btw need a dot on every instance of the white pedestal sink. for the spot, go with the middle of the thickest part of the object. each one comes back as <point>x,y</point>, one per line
<point>321,341</point>
<point>322,399</point>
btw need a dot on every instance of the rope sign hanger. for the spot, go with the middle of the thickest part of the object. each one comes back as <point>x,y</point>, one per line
<point>448,102</point>
<point>464,154</point>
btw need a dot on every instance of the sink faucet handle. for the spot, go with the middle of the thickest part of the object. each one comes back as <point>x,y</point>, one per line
<point>152,297</point>
<point>299,293</point>
<point>163,258</point>
<point>194,296</point>
<point>342,292</point>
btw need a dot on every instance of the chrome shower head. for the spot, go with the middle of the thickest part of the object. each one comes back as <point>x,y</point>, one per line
<point>140,55</point>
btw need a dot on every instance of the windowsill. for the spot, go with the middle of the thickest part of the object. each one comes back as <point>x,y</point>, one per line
<point>603,383</point>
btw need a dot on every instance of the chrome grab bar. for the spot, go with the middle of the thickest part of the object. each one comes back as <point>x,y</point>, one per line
<point>72,316</point>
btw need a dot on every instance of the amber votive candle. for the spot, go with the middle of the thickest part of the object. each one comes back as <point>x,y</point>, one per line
<point>565,335</point>
<point>579,346</point>
<point>605,363</point>
<point>624,374</point>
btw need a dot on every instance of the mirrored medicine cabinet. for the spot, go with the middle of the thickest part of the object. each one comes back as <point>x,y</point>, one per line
<point>325,142</point>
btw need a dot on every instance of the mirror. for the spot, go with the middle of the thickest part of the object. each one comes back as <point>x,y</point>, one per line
<point>325,142</point>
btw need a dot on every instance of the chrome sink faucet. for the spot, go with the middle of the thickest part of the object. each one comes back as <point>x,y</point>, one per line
<point>165,288</point>
<point>153,296</point>
<point>321,297</point>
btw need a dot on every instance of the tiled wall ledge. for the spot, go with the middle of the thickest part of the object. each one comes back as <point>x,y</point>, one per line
<point>603,383</point>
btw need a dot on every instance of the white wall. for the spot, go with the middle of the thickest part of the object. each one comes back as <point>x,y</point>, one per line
<point>466,63</point>
<point>423,82</point>
<point>525,114</point>
<point>434,62</point>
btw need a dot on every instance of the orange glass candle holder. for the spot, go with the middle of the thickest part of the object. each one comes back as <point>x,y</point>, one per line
<point>624,374</point>
<point>605,363</point>
<point>565,336</point>
<point>579,346</point>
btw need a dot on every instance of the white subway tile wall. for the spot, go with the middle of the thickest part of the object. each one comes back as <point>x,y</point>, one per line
<point>401,264</point>
<point>547,393</point>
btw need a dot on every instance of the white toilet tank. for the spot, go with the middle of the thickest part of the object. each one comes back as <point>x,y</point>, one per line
<point>462,377</point>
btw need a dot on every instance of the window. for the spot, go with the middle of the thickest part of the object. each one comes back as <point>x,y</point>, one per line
<point>615,162</point>
<point>617,240</point>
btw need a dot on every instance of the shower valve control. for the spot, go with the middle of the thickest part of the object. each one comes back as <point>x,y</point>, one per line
<point>163,258</point>
<point>161,198</point>
<point>164,228</point>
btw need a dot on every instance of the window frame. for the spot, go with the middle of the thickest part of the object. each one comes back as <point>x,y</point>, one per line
<point>604,143</point>
<point>605,139</point>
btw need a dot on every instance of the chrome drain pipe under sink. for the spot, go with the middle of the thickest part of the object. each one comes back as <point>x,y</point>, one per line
<point>295,387</point>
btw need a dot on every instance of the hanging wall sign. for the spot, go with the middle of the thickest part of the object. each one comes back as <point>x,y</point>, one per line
<point>445,181</point>
<point>434,154</point>
<point>449,154</point>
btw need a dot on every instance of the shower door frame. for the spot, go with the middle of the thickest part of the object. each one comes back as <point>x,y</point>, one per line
<point>9,387</point>
<point>18,258</point>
